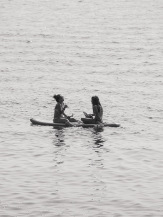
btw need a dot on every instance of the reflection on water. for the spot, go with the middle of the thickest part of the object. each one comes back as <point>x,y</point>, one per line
<point>98,150</point>
<point>59,142</point>
<point>98,139</point>
<point>59,138</point>
<point>98,128</point>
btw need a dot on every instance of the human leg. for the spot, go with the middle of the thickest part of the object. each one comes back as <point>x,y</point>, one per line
<point>88,120</point>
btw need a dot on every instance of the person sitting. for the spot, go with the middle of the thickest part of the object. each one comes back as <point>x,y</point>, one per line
<point>59,115</point>
<point>97,115</point>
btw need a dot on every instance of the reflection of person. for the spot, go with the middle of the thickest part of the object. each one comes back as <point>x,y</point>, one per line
<point>59,115</point>
<point>97,115</point>
<point>59,140</point>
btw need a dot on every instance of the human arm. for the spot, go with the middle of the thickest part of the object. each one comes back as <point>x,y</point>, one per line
<point>59,111</point>
<point>88,115</point>
<point>62,110</point>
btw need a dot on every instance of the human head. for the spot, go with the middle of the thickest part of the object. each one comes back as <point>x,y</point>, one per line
<point>58,98</point>
<point>95,100</point>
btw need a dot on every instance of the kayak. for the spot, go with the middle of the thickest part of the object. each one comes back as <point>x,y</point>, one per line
<point>77,124</point>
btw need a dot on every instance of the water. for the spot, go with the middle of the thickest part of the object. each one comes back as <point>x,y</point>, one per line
<point>112,49</point>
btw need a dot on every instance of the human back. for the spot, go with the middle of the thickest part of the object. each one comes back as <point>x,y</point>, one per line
<point>97,109</point>
<point>98,112</point>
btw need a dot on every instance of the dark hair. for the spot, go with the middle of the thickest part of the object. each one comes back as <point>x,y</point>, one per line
<point>57,97</point>
<point>95,100</point>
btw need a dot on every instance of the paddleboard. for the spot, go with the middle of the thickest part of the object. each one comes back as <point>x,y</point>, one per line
<point>44,123</point>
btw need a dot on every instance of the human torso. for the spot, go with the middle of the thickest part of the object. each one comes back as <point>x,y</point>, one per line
<point>58,111</point>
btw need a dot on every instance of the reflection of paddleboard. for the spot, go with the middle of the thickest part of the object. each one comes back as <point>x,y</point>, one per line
<point>42,123</point>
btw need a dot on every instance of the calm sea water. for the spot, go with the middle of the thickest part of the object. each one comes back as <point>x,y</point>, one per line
<point>80,48</point>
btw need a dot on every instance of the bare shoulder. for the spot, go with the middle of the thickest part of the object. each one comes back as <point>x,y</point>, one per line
<point>57,106</point>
